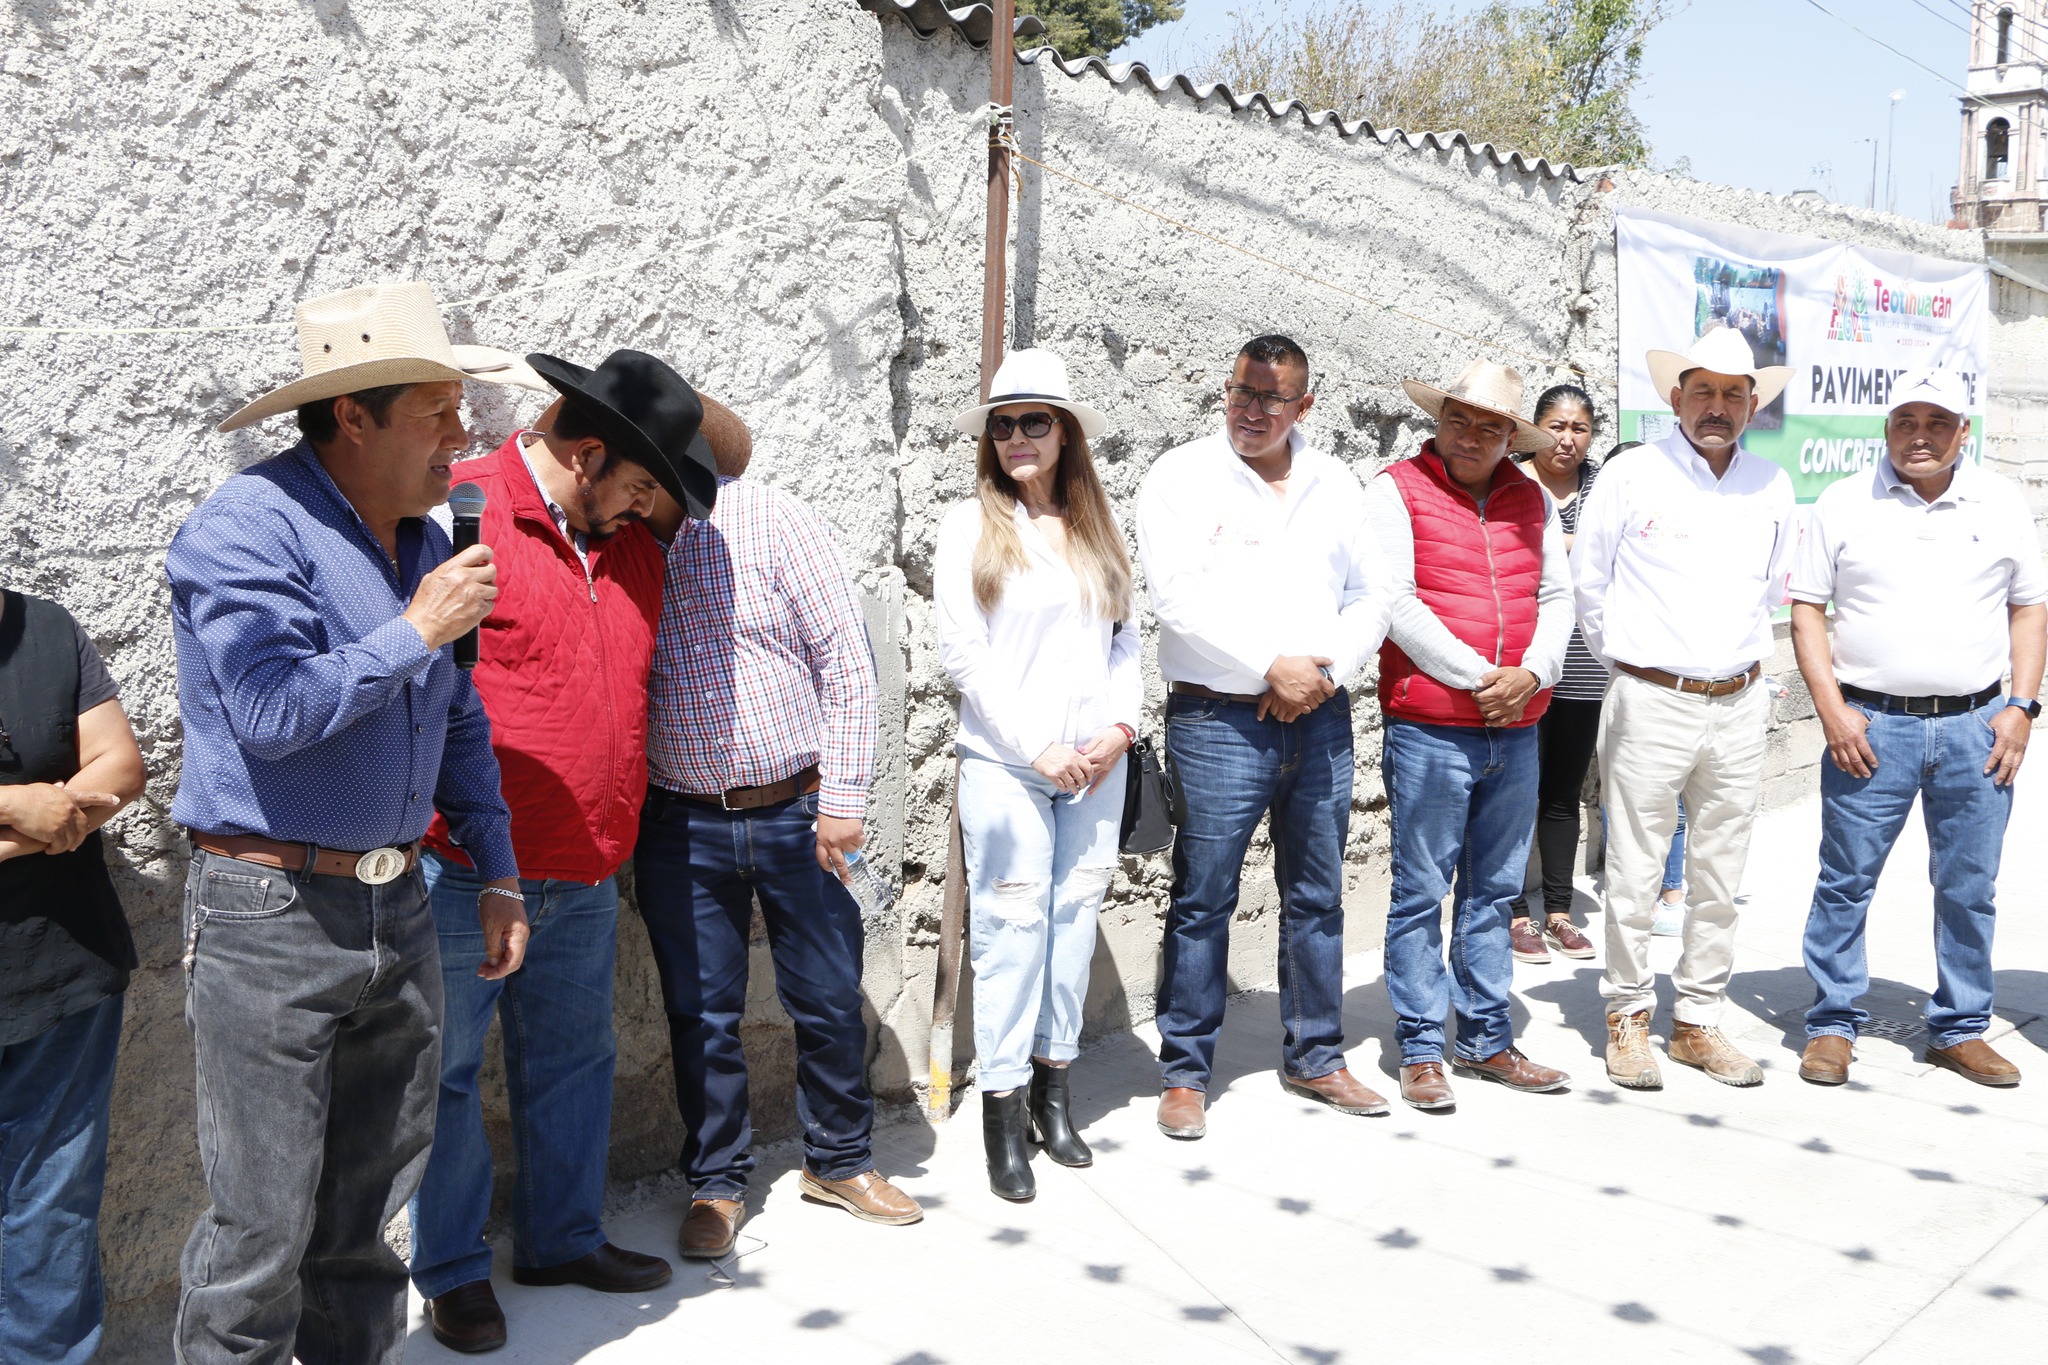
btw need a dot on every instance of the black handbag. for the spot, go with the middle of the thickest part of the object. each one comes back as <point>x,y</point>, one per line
<point>1148,802</point>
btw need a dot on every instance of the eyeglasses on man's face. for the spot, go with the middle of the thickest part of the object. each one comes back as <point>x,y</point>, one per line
<point>1243,395</point>
<point>1032,424</point>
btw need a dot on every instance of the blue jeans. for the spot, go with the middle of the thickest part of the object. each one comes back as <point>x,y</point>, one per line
<point>1462,806</point>
<point>1941,760</point>
<point>1231,768</point>
<point>556,1017</point>
<point>315,1008</point>
<point>53,1166</point>
<point>1038,864</point>
<point>699,869</point>
<point>1674,864</point>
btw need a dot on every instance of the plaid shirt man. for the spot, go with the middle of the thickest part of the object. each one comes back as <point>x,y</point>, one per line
<point>761,664</point>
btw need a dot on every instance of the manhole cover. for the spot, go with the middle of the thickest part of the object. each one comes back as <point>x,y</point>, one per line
<point>1898,1030</point>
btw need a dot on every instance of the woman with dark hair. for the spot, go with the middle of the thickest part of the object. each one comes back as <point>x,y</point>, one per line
<point>1567,732</point>
<point>1032,586</point>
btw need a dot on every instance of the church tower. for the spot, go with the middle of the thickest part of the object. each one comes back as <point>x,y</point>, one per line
<point>1999,186</point>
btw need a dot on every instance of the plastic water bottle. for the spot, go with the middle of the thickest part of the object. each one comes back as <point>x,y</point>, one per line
<point>870,889</point>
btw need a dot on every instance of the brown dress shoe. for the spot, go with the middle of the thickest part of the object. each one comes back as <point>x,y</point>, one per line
<point>1630,1063</point>
<point>1974,1060</point>
<point>1560,930</point>
<point>1423,1085</point>
<point>1525,941</point>
<point>1707,1048</point>
<point>1513,1070</point>
<point>1181,1112</point>
<point>711,1229</point>
<point>1826,1060</point>
<point>866,1196</point>
<point>1340,1090</point>
<point>467,1318</point>
<point>608,1270</point>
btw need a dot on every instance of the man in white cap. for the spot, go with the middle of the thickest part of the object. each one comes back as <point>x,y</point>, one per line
<point>1934,568</point>
<point>1261,571</point>
<point>1680,559</point>
<point>314,605</point>
<point>1480,613</point>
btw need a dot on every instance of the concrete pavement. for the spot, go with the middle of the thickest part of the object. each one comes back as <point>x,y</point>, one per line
<point>1902,1218</point>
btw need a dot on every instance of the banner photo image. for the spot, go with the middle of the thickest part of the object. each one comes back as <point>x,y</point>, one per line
<point>1848,320</point>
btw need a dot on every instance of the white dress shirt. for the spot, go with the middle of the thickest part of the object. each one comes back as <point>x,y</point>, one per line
<point>1241,575</point>
<point>1677,570</point>
<point>1041,669</point>
<point>1421,633</point>
<point>1921,588</point>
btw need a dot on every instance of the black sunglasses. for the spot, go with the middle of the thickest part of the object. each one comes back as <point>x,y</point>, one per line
<point>1032,424</point>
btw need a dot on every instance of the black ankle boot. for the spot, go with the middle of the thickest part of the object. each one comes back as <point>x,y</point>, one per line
<point>1049,1120</point>
<point>1002,1133</point>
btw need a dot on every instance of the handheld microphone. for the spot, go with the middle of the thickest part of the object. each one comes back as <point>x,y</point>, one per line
<point>466,502</point>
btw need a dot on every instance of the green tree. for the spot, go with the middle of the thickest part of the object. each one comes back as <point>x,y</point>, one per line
<point>1550,79</point>
<point>1096,28</point>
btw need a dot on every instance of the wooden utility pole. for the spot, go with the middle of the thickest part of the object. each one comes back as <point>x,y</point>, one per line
<point>995,277</point>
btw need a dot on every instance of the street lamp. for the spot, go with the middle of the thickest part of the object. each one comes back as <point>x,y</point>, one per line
<point>1891,121</point>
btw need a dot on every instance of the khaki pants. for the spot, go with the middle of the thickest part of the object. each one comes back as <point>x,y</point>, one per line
<point>1656,746</point>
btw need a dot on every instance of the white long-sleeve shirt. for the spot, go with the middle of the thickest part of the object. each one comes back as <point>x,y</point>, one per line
<point>1421,633</point>
<point>1676,570</point>
<point>1041,669</point>
<point>1240,575</point>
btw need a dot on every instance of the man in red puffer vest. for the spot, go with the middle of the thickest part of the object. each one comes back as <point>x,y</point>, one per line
<point>562,667</point>
<point>1480,603</point>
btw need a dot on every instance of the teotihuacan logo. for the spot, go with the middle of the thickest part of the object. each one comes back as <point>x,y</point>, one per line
<point>1860,301</point>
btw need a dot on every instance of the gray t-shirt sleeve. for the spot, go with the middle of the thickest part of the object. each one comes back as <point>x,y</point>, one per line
<point>96,686</point>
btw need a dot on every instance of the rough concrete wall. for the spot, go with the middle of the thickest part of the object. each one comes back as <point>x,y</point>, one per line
<point>213,162</point>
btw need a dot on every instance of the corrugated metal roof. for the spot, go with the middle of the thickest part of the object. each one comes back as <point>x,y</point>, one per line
<point>928,18</point>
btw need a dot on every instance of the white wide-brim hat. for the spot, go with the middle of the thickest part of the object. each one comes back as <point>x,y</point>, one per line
<point>1490,387</point>
<point>494,366</point>
<point>1034,375</point>
<point>365,338</point>
<point>1719,350</point>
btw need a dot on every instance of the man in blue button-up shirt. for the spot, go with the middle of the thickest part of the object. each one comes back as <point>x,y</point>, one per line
<point>312,604</point>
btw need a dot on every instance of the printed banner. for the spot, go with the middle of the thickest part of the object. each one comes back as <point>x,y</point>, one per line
<point>1847,319</point>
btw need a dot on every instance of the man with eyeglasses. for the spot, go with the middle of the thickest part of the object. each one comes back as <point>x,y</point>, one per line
<point>1261,573</point>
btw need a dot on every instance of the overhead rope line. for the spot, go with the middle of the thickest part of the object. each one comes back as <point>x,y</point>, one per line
<point>1896,52</point>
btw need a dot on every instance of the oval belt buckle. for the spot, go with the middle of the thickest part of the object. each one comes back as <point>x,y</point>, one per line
<point>380,865</point>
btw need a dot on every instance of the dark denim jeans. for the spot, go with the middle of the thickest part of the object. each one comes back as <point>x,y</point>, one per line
<point>698,870</point>
<point>555,1014</point>
<point>315,1009</point>
<point>53,1167</point>
<point>1462,805</point>
<point>1939,759</point>
<point>1231,768</point>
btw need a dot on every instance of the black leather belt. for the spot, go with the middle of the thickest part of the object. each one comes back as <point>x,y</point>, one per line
<point>1921,706</point>
<point>1188,689</point>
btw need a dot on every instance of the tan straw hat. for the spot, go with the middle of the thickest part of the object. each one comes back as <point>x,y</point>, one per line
<point>1490,387</point>
<point>368,337</point>
<point>1720,350</point>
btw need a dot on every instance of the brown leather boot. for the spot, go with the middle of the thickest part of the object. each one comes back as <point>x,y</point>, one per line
<point>1181,1112</point>
<point>467,1318</point>
<point>1630,1063</point>
<point>1340,1090</point>
<point>1826,1059</point>
<point>1511,1069</point>
<point>1708,1049</point>
<point>1423,1086</point>
<point>711,1229</point>
<point>1973,1059</point>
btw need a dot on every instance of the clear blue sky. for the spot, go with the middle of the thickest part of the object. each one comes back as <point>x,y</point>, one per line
<point>1764,94</point>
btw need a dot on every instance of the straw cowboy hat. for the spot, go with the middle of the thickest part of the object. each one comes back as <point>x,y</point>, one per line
<point>1721,350</point>
<point>365,338</point>
<point>649,414</point>
<point>1031,376</point>
<point>494,366</point>
<point>1490,387</point>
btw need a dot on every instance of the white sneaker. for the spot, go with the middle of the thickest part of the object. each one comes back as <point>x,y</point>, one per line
<point>1670,921</point>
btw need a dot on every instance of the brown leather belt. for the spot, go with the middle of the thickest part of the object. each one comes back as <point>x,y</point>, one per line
<point>1698,687</point>
<point>376,867</point>
<point>753,798</point>
<point>1187,689</point>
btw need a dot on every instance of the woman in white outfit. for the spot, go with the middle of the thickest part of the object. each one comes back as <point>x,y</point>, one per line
<point>1033,589</point>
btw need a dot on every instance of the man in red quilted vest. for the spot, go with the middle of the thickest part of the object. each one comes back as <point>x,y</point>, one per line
<point>1480,611</point>
<point>562,668</point>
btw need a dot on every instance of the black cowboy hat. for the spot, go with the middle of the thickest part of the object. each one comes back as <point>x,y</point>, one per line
<point>649,414</point>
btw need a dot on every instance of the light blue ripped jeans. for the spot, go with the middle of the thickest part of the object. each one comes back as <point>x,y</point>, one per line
<point>1038,865</point>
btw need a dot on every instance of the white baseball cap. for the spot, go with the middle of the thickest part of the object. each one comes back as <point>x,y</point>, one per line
<point>1943,388</point>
